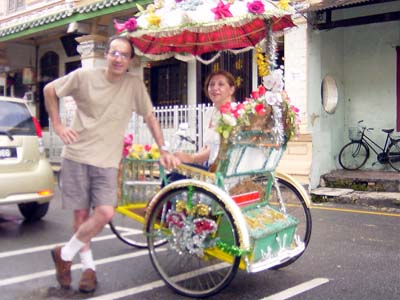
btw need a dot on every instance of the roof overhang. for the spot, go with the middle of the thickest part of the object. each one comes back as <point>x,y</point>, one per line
<point>322,13</point>
<point>316,5</point>
<point>74,14</point>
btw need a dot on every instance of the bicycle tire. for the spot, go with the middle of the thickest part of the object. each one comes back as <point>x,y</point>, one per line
<point>130,231</point>
<point>296,206</point>
<point>393,155</point>
<point>189,270</point>
<point>353,155</point>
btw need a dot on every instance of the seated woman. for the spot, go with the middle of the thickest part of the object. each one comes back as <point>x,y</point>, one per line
<point>220,88</point>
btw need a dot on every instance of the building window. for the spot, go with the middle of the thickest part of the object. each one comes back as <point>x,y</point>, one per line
<point>15,5</point>
<point>167,82</point>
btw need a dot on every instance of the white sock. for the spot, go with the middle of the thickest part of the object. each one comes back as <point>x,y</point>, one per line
<point>71,248</point>
<point>87,260</point>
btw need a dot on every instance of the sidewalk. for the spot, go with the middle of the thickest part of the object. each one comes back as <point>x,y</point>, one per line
<point>374,189</point>
<point>381,190</point>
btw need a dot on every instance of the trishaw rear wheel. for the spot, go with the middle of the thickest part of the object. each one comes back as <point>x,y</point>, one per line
<point>130,228</point>
<point>199,259</point>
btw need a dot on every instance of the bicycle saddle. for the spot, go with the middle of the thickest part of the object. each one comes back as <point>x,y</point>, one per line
<point>388,130</point>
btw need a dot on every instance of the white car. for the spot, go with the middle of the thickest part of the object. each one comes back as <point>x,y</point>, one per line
<point>26,176</point>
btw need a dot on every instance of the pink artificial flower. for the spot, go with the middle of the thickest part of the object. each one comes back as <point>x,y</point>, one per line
<point>147,147</point>
<point>294,109</point>
<point>131,24</point>
<point>222,11</point>
<point>256,7</point>
<point>128,139</point>
<point>118,26</point>
<point>125,151</point>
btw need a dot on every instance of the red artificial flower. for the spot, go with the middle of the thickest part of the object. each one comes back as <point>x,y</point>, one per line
<point>236,111</point>
<point>222,10</point>
<point>260,109</point>
<point>255,95</point>
<point>225,108</point>
<point>131,24</point>
<point>256,7</point>
<point>261,90</point>
<point>118,26</point>
<point>147,147</point>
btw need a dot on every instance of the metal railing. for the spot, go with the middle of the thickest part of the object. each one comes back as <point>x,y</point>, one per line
<point>169,117</point>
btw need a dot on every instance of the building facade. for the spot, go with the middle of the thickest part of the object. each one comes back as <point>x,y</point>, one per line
<point>41,40</point>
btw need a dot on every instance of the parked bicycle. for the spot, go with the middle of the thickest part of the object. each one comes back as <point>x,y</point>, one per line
<point>355,154</point>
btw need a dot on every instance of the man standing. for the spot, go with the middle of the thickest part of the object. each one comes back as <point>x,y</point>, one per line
<point>105,99</point>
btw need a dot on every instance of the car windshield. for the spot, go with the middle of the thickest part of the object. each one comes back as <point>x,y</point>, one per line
<point>15,119</point>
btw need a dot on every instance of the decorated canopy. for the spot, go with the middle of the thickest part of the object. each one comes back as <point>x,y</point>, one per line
<point>192,27</point>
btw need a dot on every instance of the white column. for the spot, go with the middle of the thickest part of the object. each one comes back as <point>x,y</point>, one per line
<point>91,48</point>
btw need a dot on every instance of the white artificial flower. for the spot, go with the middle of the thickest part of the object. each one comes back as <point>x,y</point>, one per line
<point>142,21</point>
<point>268,82</point>
<point>229,120</point>
<point>273,98</point>
<point>278,87</point>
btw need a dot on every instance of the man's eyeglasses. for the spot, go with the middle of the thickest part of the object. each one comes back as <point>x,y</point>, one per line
<point>116,54</point>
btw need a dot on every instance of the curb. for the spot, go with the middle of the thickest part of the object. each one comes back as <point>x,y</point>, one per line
<point>388,201</point>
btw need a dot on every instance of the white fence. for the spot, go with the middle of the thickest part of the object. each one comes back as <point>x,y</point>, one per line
<point>169,118</point>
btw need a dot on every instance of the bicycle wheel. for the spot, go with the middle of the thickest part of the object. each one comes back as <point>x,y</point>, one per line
<point>353,155</point>
<point>295,205</point>
<point>130,228</point>
<point>394,155</point>
<point>199,232</point>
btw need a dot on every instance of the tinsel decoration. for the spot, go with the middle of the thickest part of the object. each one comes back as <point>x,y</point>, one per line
<point>270,51</point>
<point>231,249</point>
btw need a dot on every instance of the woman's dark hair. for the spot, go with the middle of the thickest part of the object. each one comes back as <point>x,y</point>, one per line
<point>122,38</point>
<point>226,74</point>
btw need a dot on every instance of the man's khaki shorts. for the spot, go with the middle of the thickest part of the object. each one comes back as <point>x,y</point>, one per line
<point>84,186</point>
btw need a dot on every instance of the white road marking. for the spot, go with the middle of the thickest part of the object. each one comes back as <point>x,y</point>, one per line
<point>49,247</point>
<point>158,283</point>
<point>298,289</point>
<point>18,279</point>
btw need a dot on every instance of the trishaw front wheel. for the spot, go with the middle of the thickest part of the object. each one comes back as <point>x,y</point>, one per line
<point>201,256</point>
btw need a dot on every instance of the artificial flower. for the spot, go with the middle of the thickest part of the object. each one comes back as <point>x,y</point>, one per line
<point>119,27</point>
<point>127,145</point>
<point>269,98</point>
<point>153,19</point>
<point>131,25</point>
<point>222,10</point>
<point>256,7</point>
<point>139,151</point>
<point>283,4</point>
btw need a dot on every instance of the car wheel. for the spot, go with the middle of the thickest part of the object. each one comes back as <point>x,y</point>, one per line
<point>33,211</point>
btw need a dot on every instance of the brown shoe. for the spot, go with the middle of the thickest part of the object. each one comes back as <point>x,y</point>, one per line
<point>88,281</point>
<point>63,268</point>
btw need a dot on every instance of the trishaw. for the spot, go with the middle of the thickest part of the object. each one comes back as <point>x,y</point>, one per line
<point>239,214</point>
